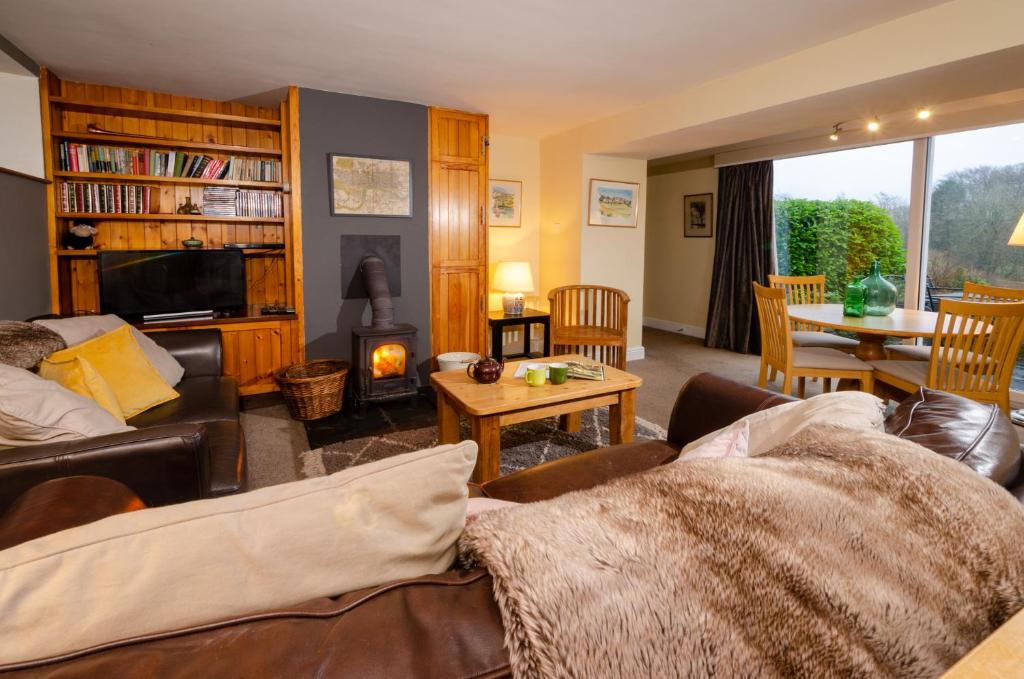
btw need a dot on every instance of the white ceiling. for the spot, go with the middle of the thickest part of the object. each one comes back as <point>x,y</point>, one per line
<point>537,66</point>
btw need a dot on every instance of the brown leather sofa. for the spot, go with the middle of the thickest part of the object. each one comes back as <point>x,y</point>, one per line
<point>445,625</point>
<point>189,448</point>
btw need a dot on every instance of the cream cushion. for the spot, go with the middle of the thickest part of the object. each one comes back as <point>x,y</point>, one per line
<point>174,567</point>
<point>79,329</point>
<point>815,357</point>
<point>730,442</point>
<point>910,352</point>
<point>34,410</point>
<point>915,372</point>
<point>772,426</point>
<point>817,338</point>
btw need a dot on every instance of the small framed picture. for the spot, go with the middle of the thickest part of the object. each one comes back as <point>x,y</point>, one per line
<point>698,216</point>
<point>613,203</point>
<point>505,203</point>
<point>367,186</point>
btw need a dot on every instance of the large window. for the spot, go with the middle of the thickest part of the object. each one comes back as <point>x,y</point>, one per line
<point>976,198</point>
<point>837,212</point>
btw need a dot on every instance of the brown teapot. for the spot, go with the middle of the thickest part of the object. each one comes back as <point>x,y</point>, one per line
<point>486,370</point>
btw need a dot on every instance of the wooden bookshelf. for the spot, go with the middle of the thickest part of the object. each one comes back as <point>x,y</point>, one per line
<point>112,178</point>
<point>160,217</point>
<point>144,120</point>
<point>137,141</point>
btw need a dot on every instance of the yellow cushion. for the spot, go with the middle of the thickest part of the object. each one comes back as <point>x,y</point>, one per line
<point>77,374</point>
<point>119,359</point>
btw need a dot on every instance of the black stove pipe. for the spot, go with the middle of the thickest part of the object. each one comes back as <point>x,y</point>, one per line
<point>375,278</point>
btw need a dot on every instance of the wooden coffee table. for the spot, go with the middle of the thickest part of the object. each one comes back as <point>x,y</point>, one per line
<point>511,400</point>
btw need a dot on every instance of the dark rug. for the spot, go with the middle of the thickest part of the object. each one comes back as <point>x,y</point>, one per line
<point>347,439</point>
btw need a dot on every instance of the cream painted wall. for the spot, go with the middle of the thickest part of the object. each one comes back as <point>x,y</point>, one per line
<point>614,256</point>
<point>561,176</point>
<point>21,135</point>
<point>677,275</point>
<point>517,158</point>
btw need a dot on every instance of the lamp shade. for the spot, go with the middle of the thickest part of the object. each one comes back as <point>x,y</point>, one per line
<point>1017,237</point>
<point>513,277</point>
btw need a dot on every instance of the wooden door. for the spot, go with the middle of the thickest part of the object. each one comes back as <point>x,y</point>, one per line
<point>458,231</point>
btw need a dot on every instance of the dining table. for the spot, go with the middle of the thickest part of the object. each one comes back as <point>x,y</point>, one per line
<point>871,331</point>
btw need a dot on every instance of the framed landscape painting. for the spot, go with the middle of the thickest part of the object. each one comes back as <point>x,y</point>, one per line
<point>366,186</point>
<point>698,216</point>
<point>613,203</point>
<point>505,203</point>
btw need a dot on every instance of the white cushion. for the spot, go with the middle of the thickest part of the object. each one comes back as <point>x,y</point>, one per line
<point>814,357</point>
<point>34,411</point>
<point>816,338</point>
<point>770,427</point>
<point>730,442</point>
<point>173,567</point>
<point>915,372</point>
<point>81,328</point>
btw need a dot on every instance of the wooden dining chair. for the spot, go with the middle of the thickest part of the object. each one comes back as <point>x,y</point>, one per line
<point>779,354</point>
<point>973,353</point>
<point>973,292</point>
<point>590,320</point>
<point>809,290</point>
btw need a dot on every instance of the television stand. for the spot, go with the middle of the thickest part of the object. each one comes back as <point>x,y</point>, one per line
<point>178,316</point>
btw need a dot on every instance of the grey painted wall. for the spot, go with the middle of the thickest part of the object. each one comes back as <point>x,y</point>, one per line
<point>24,262</point>
<point>347,124</point>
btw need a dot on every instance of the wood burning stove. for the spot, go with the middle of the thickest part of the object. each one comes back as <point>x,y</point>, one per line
<point>383,353</point>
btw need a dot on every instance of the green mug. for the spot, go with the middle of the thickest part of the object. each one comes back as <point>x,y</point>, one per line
<point>558,372</point>
<point>536,374</point>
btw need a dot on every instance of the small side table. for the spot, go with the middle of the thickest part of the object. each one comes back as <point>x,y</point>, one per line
<point>499,321</point>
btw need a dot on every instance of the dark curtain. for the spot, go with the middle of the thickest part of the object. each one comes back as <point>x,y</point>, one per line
<point>743,253</point>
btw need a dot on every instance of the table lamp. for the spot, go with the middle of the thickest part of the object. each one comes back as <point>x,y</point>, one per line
<point>514,279</point>
<point>1017,238</point>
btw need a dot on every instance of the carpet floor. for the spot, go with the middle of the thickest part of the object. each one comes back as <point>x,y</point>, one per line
<point>281,449</point>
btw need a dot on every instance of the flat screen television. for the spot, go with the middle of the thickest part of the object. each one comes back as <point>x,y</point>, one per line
<point>139,283</point>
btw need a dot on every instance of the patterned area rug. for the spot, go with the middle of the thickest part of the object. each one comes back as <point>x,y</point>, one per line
<point>522,445</point>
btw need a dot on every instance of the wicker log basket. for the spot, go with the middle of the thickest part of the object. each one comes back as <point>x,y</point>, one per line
<point>313,389</point>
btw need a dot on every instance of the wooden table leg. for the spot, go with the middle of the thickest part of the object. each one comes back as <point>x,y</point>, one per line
<point>447,420</point>
<point>487,434</point>
<point>621,417</point>
<point>570,423</point>
<point>870,347</point>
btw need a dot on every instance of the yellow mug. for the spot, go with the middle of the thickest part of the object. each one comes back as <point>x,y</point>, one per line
<point>536,374</point>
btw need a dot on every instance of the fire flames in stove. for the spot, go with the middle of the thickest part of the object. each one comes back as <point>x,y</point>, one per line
<point>388,361</point>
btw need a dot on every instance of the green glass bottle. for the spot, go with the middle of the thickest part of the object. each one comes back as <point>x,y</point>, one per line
<point>853,302</point>
<point>879,294</point>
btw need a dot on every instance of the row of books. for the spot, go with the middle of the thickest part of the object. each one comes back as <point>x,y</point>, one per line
<point>117,160</point>
<point>222,201</point>
<point>105,198</point>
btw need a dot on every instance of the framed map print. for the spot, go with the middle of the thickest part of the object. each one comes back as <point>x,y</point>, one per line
<point>366,186</point>
<point>613,203</point>
<point>505,203</point>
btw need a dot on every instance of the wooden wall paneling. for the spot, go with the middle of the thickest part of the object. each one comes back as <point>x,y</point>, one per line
<point>458,231</point>
<point>46,86</point>
<point>292,198</point>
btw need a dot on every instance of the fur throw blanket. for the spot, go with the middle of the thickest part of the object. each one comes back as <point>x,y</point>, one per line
<point>837,554</point>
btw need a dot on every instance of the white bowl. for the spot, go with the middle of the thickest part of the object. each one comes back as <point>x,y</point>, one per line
<point>456,360</point>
